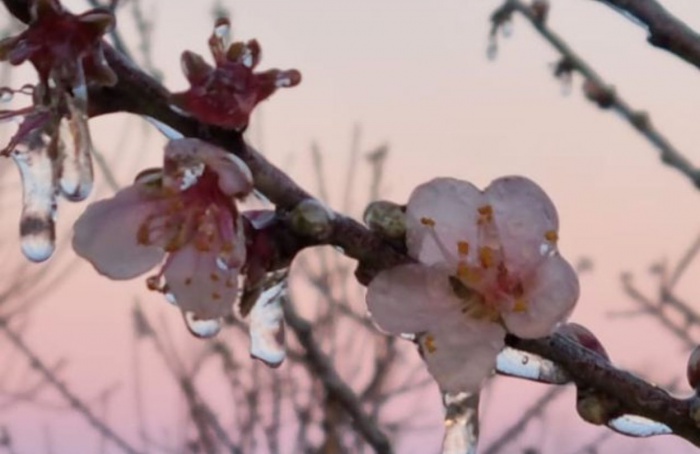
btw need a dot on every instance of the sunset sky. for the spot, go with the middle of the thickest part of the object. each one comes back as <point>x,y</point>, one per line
<point>415,75</point>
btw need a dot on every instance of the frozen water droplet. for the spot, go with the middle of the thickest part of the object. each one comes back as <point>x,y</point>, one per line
<point>461,423</point>
<point>76,175</point>
<point>167,131</point>
<point>492,48</point>
<point>170,298</point>
<point>202,328</point>
<point>267,326</point>
<point>6,94</point>
<point>247,59</point>
<point>339,249</point>
<point>507,28</point>
<point>408,336</point>
<point>222,29</point>
<point>221,263</point>
<point>638,426</point>
<point>37,224</point>
<point>516,363</point>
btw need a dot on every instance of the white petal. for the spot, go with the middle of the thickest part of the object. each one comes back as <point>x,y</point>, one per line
<point>523,214</point>
<point>463,352</point>
<point>106,234</point>
<point>410,298</point>
<point>453,206</point>
<point>550,297</point>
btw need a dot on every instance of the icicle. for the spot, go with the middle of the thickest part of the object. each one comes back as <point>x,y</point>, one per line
<point>267,326</point>
<point>76,174</point>
<point>37,224</point>
<point>461,423</point>
<point>167,131</point>
<point>638,426</point>
<point>516,363</point>
<point>200,327</point>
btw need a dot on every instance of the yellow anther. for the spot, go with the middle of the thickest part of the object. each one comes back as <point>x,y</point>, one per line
<point>551,236</point>
<point>485,214</point>
<point>427,222</point>
<point>463,247</point>
<point>468,274</point>
<point>429,342</point>
<point>486,257</point>
<point>520,305</point>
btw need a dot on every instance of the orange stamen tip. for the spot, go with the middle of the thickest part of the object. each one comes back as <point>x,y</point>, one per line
<point>463,248</point>
<point>520,305</point>
<point>485,210</point>
<point>486,257</point>
<point>551,236</point>
<point>427,221</point>
<point>430,343</point>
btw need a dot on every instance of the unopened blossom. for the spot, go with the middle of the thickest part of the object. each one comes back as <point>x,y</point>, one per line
<point>182,217</point>
<point>62,46</point>
<point>226,94</point>
<point>487,264</point>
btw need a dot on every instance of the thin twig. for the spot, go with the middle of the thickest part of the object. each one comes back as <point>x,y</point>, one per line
<point>600,92</point>
<point>666,31</point>
<point>65,392</point>
<point>334,385</point>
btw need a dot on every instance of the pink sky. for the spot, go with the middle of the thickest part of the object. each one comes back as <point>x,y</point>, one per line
<point>415,75</point>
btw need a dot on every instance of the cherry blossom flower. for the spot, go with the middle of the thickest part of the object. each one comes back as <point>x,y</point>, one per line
<point>226,94</point>
<point>185,216</point>
<point>487,264</point>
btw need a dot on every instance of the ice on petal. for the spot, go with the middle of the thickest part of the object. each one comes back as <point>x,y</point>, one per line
<point>525,217</point>
<point>267,326</point>
<point>638,426</point>
<point>76,174</point>
<point>6,94</point>
<point>202,328</point>
<point>461,423</point>
<point>37,224</point>
<point>516,363</point>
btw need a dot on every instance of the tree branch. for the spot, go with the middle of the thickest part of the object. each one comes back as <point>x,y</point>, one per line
<point>318,362</point>
<point>666,31</point>
<point>599,91</point>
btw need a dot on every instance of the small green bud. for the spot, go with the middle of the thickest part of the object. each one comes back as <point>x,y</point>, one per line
<point>386,218</point>
<point>312,218</point>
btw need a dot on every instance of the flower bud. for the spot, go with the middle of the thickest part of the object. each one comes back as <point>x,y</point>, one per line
<point>584,337</point>
<point>596,408</point>
<point>312,218</point>
<point>386,218</point>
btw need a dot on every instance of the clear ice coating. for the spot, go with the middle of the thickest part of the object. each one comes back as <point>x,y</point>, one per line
<point>169,132</point>
<point>76,174</point>
<point>516,363</point>
<point>638,426</point>
<point>37,224</point>
<point>461,423</point>
<point>200,327</point>
<point>267,325</point>
<point>6,94</point>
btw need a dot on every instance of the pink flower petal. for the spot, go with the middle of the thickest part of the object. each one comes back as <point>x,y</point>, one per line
<point>550,297</point>
<point>462,352</point>
<point>410,298</point>
<point>107,235</point>
<point>198,284</point>
<point>524,216</point>
<point>453,207</point>
<point>234,175</point>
